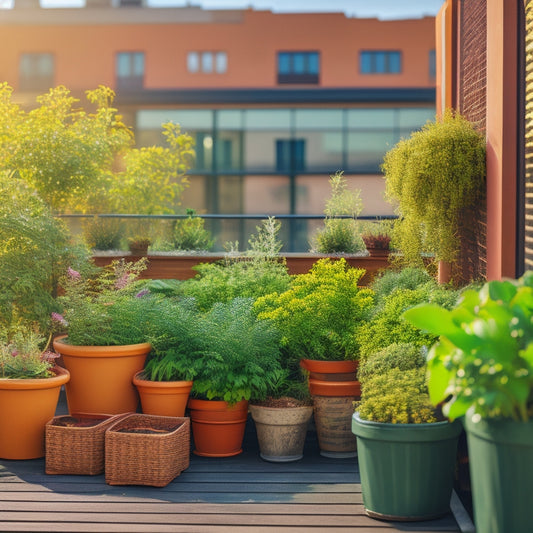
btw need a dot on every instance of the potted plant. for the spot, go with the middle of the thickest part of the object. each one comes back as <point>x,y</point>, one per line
<point>406,450</point>
<point>165,382</point>
<point>431,177</point>
<point>377,237</point>
<point>318,317</point>
<point>138,245</point>
<point>29,391</point>
<point>105,317</point>
<point>240,358</point>
<point>190,234</point>
<point>339,234</point>
<point>281,415</point>
<point>482,369</point>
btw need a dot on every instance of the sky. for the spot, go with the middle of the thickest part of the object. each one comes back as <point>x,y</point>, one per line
<point>384,9</point>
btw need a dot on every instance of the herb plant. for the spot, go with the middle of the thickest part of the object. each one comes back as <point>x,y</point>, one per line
<point>483,361</point>
<point>190,233</point>
<point>320,312</point>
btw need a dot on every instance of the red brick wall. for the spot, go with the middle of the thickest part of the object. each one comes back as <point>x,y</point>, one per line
<point>471,98</point>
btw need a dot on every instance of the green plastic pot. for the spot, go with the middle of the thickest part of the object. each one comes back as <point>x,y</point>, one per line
<point>501,470</point>
<point>407,470</point>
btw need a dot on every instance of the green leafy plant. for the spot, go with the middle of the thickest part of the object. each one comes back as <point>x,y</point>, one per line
<point>432,177</point>
<point>251,274</point>
<point>387,325</point>
<point>397,397</point>
<point>176,337</point>
<point>190,234</point>
<point>483,361</point>
<point>111,307</point>
<point>24,354</point>
<point>35,249</point>
<point>103,233</point>
<point>404,356</point>
<point>405,278</point>
<point>240,353</point>
<point>320,312</point>
<point>340,235</point>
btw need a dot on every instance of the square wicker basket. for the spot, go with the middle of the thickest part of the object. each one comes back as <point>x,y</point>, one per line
<point>146,450</point>
<point>75,443</point>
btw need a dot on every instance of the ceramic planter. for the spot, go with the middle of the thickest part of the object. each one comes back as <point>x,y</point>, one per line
<point>163,398</point>
<point>501,471</point>
<point>101,377</point>
<point>26,405</point>
<point>218,428</point>
<point>407,470</point>
<point>281,431</point>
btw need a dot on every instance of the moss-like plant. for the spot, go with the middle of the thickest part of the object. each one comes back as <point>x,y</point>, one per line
<point>432,177</point>
<point>340,235</point>
<point>404,356</point>
<point>397,397</point>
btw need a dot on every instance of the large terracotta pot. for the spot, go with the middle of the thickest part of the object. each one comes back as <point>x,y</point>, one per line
<point>163,398</point>
<point>101,377</point>
<point>281,431</point>
<point>26,405</point>
<point>218,428</point>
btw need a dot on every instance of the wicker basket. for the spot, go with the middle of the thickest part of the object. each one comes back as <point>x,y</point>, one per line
<point>77,450</point>
<point>146,450</point>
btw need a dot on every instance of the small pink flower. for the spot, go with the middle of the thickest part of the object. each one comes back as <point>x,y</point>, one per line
<point>122,282</point>
<point>60,319</point>
<point>74,274</point>
<point>49,356</point>
<point>14,353</point>
<point>142,293</point>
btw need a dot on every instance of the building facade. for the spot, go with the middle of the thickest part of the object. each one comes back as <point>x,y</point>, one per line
<point>276,102</point>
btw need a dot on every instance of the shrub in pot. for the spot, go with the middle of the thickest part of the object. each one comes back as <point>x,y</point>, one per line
<point>318,317</point>
<point>239,358</point>
<point>29,391</point>
<point>106,318</point>
<point>406,451</point>
<point>167,378</point>
<point>377,237</point>
<point>481,369</point>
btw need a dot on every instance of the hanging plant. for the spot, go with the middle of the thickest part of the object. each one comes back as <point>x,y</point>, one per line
<point>433,176</point>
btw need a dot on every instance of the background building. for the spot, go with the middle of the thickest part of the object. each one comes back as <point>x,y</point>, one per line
<point>275,102</point>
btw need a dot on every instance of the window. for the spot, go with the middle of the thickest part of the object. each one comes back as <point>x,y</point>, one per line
<point>380,62</point>
<point>290,155</point>
<point>130,70</point>
<point>36,72</point>
<point>432,64</point>
<point>207,62</point>
<point>298,67</point>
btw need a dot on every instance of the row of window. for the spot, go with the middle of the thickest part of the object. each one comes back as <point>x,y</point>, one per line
<point>37,70</point>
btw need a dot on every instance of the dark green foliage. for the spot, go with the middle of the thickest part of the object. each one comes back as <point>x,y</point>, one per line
<point>103,233</point>
<point>240,354</point>
<point>404,356</point>
<point>190,234</point>
<point>406,278</point>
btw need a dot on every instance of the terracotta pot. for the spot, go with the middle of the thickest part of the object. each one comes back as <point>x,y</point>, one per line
<point>101,377</point>
<point>281,431</point>
<point>218,429</point>
<point>378,252</point>
<point>330,370</point>
<point>163,398</point>
<point>26,405</point>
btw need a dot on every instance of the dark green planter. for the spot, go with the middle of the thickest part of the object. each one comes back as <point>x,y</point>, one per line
<point>501,470</point>
<point>406,470</point>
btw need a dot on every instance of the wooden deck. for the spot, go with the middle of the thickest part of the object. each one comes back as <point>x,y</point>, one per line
<point>219,495</point>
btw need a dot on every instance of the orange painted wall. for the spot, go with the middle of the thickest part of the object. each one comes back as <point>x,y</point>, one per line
<point>85,53</point>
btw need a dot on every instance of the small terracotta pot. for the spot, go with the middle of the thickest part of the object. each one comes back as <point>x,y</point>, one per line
<point>163,398</point>
<point>218,428</point>
<point>101,377</point>
<point>26,405</point>
<point>330,370</point>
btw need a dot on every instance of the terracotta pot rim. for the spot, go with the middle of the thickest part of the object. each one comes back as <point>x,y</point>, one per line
<point>137,380</point>
<point>99,351</point>
<point>62,376</point>
<point>325,367</point>
<point>334,388</point>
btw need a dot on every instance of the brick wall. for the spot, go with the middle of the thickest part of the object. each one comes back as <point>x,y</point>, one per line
<point>528,251</point>
<point>471,98</point>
